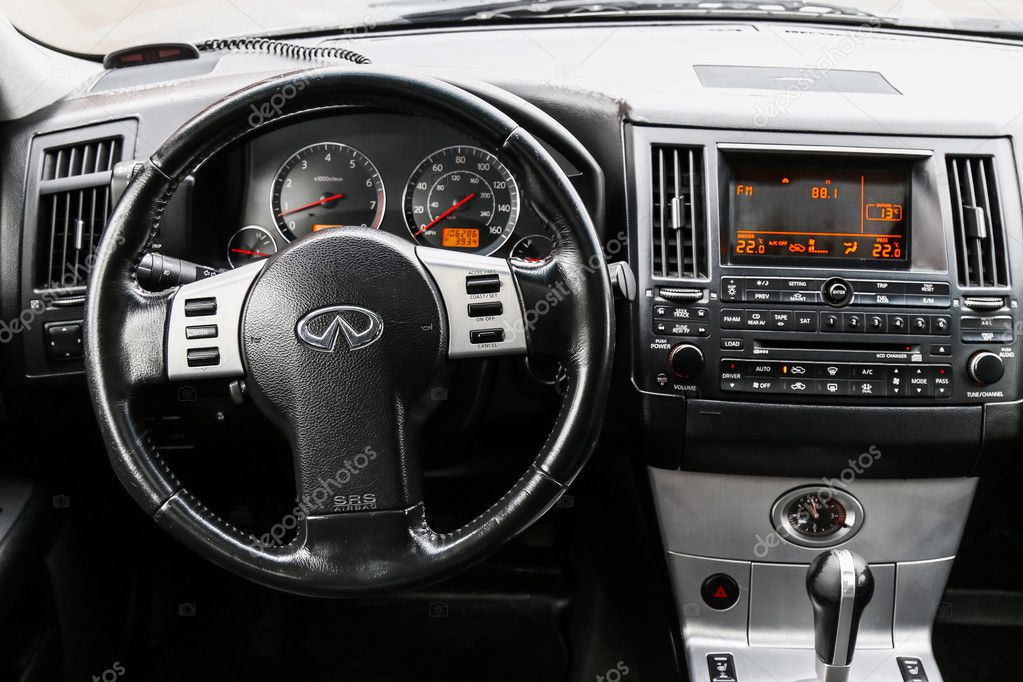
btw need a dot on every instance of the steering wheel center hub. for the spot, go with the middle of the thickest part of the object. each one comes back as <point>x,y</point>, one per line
<point>340,330</point>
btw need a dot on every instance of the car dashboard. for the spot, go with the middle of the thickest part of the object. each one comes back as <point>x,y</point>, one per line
<point>821,232</point>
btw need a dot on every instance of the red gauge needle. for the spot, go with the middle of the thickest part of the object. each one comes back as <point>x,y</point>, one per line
<point>444,215</point>
<point>251,253</point>
<point>324,200</point>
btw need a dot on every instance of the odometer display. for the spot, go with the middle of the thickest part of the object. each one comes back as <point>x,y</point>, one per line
<point>462,198</point>
<point>326,185</point>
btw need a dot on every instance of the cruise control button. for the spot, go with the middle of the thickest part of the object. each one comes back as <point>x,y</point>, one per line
<point>486,335</point>
<point>482,284</point>
<point>203,357</point>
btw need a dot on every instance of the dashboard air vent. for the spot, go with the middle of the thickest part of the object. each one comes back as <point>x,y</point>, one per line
<point>72,206</point>
<point>70,225</point>
<point>678,218</point>
<point>84,158</point>
<point>977,216</point>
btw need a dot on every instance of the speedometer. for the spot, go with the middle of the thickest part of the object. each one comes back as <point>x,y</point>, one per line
<point>462,198</point>
<point>326,185</point>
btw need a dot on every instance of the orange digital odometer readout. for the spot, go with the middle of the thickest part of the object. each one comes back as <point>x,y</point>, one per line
<point>804,210</point>
<point>460,237</point>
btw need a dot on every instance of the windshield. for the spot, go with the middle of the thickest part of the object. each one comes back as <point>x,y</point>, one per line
<point>101,26</point>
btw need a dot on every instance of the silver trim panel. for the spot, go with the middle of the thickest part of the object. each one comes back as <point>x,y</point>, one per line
<point>450,270</point>
<point>231,290</point>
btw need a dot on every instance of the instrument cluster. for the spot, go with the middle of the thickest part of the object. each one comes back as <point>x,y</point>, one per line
<point>404,174</point>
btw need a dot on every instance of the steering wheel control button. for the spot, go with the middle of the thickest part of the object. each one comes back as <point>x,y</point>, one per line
<point>486,336</point>
<point>686,360</point>
<point>985,368</point>
<point>837,292</point>
<point>720,591</point>
<point>912,669</point>
<point>200,307</point>
<point>485,309</point>
<point>204,331</point>
<point>63,340</point>
<point>203,357</point>
<point>721,668</point>
<point>482,284</point>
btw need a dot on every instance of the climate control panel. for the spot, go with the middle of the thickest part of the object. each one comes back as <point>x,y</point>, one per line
<point>827,340</point>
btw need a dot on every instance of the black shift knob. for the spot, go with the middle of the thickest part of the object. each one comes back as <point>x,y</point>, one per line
<point>840,586</point>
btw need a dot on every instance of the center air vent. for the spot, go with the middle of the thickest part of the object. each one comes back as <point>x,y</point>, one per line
<point>678,218</point>
<point>72,207</point>
<point>977,216</point>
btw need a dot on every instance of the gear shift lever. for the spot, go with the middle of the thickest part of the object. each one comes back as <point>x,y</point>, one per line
<point>840,586</point>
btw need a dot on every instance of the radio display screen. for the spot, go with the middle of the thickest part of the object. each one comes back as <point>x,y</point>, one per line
<point>807,210</point>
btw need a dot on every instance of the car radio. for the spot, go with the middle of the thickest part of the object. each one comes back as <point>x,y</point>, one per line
<point>827,281</point>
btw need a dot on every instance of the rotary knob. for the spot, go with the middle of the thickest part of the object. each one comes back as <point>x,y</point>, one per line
<point>985,368</point>
<point>836,292</point>
<point>686,360</point>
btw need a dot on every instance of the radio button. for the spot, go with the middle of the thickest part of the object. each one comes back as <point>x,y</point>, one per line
<point>804,321</point>
<point>756,319</point>
<point>852,322</point>
<point>897,324</point>
<point>781,320</point>
<point>876,324</point>
<point>830,322</point>
<point>732,319</point>
<point>732,288</point>
<point>919,324</point>
<point>941,325</point>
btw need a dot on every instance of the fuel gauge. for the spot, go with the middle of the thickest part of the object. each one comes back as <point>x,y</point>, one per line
<point>250,244</point>
<point>535,248</point>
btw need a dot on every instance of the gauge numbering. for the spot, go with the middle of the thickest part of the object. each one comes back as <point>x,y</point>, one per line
<point>462,198</point>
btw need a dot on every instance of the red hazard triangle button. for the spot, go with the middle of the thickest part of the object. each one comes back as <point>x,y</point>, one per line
<point>720,592</point>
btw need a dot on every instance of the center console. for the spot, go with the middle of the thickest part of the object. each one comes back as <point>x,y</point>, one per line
<point>824,341</point>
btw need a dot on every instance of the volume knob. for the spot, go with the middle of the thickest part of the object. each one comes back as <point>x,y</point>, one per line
<point>686,360</point>
<point>985,368</point>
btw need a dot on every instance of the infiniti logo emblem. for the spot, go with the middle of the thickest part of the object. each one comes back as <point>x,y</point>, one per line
<point>358,326</point>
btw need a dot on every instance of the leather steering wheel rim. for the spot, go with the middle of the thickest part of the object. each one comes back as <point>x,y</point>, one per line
<point>372,552</point>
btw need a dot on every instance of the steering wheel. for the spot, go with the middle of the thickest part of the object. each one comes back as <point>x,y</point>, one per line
<point>342,340</point>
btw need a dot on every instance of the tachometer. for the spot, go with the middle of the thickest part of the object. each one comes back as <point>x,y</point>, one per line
<point>326,185</point>
<point>462,198</point>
